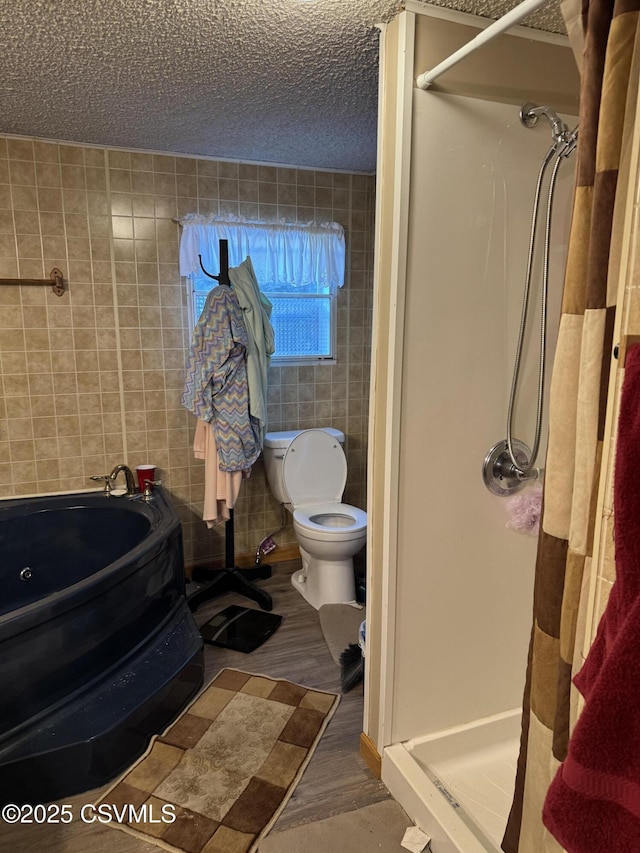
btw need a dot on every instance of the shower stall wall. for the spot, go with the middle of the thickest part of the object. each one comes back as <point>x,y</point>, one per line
<point>451,584</point>
<point>473,175</point>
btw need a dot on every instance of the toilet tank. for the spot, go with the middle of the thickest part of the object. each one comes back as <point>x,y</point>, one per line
<point>275,446</point>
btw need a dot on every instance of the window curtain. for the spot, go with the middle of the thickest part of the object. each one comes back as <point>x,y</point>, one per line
<point>288,255</point>
<point>579,392</point>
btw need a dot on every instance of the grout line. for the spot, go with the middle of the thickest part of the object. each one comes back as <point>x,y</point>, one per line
<point>112,258</point>
<point>15,239</point>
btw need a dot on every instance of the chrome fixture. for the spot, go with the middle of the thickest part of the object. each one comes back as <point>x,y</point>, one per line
<point>530,115</point>
<point>128,476</point>
<point>501,476</point>
<point>26,574</point>
<point>510,464</point>
<point>103,478</point>
<point>147,494</point>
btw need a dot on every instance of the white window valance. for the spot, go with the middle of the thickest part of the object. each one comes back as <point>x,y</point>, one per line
<point>294,255</point>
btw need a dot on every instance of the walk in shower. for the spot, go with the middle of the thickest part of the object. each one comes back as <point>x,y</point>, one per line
<point>457,183</point>
<point>498,297</point>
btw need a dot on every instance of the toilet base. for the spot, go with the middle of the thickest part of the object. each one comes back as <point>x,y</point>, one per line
<point>325,581</point>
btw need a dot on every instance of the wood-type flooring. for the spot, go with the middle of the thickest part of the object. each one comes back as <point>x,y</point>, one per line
<point>337,780</point>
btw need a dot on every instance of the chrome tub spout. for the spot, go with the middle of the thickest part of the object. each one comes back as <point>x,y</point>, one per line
<point>128,475</point>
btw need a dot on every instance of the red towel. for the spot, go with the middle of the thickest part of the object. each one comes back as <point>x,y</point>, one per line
<point>593,804</point>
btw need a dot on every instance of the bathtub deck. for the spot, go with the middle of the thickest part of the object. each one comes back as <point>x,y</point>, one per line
<point>337,779</point>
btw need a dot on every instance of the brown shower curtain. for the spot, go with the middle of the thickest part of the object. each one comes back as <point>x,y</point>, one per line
<point>579,390</point>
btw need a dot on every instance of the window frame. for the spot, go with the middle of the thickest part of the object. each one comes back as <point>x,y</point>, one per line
<point>278,360</point>
<point>309,257</point>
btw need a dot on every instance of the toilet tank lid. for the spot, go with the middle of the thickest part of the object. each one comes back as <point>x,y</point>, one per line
<point>285,437</point>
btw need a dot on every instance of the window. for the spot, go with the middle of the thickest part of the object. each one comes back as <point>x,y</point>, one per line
<point>298,267</point>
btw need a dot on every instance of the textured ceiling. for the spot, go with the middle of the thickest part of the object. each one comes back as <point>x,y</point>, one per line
<point>280,81</point>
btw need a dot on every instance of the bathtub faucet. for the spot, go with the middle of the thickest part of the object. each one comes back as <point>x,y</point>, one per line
<point>128,476</point>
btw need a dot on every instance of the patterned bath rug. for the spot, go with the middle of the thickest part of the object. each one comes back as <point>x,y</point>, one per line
<point>221,774</point>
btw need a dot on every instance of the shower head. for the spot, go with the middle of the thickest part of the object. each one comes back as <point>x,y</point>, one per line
<point>530,114</point>
<point>571,143</point>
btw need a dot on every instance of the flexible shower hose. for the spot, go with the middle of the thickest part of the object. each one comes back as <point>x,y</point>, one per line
<point>560,150</point>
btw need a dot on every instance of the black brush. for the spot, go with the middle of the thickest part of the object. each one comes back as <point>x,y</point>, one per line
<point>351,667</point>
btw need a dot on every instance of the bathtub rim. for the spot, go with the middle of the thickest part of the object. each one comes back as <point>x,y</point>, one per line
<point>23,728</point>
<point>164,524</point>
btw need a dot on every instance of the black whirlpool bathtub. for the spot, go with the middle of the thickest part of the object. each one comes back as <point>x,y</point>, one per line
<point>98,649</point>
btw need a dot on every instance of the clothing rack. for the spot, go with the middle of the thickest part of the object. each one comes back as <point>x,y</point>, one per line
<point>231,578</point>
<point>223,277</point>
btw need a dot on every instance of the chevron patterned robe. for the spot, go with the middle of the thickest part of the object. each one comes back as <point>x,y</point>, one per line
<point>216,387</point>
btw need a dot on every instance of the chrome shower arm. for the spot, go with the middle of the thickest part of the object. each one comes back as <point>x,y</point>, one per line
<point>530,114</point>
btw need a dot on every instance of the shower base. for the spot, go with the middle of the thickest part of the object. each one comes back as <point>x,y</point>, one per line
<point>457,785</point>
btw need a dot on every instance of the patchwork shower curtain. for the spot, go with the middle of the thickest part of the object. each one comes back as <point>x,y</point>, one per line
<point>579,390</point>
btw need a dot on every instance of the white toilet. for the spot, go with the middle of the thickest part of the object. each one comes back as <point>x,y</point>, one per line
<point>307,471</point>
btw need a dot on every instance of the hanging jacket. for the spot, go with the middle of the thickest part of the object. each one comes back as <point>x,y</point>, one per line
<point>256,309</point>
<point>216,387</point>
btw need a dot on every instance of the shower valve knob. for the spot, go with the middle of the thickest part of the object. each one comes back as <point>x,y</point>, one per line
<point>500,474</point>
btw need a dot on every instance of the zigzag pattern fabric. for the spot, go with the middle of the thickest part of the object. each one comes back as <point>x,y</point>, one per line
<point>216,386</point>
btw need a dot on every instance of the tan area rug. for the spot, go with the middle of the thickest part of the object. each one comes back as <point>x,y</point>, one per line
<point>225,768</point>
<point>340,624</point>
<point>379,827</point>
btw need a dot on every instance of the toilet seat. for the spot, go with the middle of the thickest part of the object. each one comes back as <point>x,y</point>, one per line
<point>314,469</point>
<point>341,521</point>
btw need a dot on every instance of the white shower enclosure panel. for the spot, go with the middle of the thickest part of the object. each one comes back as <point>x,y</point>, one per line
<point>464,580</point>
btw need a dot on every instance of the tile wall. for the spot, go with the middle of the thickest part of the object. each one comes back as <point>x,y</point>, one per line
<point>95,377</point>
